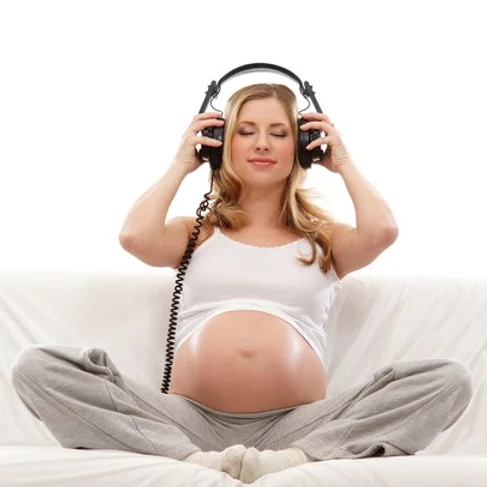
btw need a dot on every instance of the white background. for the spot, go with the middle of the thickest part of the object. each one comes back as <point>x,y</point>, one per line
<point>95,96</point>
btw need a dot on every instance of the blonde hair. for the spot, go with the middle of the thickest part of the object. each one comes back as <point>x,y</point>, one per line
<point>298,213</point>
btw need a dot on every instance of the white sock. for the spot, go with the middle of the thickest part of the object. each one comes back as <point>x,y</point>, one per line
<point>228,460</point>
<point>257,463</point>
<point>210,459</point>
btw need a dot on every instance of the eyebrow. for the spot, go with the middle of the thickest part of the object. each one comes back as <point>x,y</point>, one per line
<point>277,124</point>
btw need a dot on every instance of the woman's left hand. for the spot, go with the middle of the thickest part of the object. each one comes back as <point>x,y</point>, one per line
<point>336,153</point>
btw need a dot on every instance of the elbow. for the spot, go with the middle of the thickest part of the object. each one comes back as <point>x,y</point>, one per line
<point>388,235</point>
<point>382,237</point>
<point>125,240</point>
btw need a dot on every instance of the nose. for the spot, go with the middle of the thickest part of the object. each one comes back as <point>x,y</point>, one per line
<point>262,142</point>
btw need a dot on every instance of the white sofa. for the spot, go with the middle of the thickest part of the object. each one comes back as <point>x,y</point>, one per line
<point>377,319</point>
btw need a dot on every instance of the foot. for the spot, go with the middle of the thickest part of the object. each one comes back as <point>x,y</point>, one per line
<point>232,459</point>
<point>257,463</point>
<point>228,460</point>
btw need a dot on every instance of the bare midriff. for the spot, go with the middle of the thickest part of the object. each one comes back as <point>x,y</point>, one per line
<point>247,361</point>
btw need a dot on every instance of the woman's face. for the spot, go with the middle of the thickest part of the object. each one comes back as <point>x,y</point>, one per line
<point>263,130</point>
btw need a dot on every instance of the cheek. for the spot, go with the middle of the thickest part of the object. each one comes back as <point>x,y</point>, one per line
<point>287,148</point>
<point>238,147</point>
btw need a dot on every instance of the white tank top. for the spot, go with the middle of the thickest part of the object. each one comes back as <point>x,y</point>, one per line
<point>224,274</point>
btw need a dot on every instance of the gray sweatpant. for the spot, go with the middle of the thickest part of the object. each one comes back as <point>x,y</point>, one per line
<point>86,403</point>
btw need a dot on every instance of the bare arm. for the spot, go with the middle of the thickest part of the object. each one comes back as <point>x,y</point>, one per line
<point>147,217</point>
<point>376,228</point>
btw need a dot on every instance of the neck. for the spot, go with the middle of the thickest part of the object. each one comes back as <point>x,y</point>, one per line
<point>262,213</point>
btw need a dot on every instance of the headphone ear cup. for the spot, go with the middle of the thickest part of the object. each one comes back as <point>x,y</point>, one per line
<point>305,137</point>
<point>214,155</point>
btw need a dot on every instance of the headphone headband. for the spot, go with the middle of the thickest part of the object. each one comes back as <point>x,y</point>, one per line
<point>214,88</point>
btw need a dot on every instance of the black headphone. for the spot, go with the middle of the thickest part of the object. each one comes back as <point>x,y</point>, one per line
<point>306,157</point>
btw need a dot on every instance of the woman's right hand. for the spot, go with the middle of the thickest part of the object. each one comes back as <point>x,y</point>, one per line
<point>187,153</point>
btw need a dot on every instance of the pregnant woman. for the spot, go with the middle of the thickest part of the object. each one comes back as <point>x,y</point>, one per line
<point>249,389</point>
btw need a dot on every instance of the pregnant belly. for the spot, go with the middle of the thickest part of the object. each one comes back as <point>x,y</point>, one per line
<point>248,361</point>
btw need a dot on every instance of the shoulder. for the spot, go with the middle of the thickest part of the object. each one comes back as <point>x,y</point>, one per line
<point>206,229</point>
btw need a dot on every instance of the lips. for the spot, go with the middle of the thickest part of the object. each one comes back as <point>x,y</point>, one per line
<point>262,159</point>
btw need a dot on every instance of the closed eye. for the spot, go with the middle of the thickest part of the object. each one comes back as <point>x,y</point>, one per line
<point>275,135</point>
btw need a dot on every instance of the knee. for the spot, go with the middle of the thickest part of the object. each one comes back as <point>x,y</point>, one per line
<point>30,362</point>
<point>456,373</point>
<point>458,380</point>
<point>438,373</point>
<point>455,369</point>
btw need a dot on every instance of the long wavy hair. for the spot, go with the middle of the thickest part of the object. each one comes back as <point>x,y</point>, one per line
<point>298,213</point>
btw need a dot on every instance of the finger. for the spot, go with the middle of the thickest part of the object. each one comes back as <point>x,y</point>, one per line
<point>201,124</point>
<point>202,116</point>
<point>317,142</point>
<point>319,125</point>
<point>207,141</point>
<point>315,115</point>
